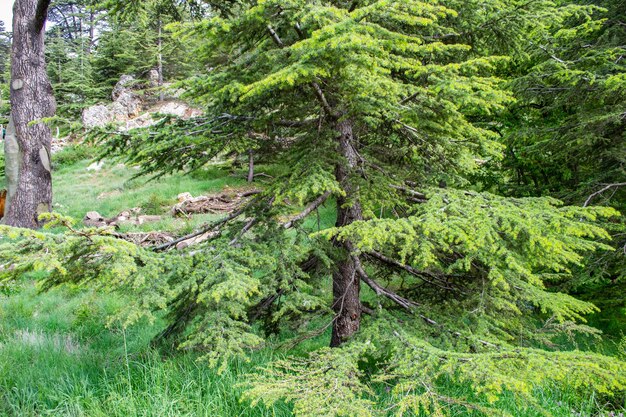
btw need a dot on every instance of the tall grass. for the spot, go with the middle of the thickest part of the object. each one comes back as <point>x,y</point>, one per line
<point>57,358</point>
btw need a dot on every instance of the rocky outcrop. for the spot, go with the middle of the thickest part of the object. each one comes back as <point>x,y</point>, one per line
<point>127,106</point>
<point>125,84</point>
<point>179,109</point>
<point>97,116</point>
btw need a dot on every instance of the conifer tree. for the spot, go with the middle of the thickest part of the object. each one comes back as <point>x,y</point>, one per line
<point>70,43</point>
<point>565,134</point>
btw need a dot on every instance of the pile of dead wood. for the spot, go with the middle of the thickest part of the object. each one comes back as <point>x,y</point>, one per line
<point>146,239</point>
<point>220,203</point>
<point>228,201</point>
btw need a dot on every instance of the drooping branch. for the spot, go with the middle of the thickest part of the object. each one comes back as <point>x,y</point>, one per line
<point>380,290</point>
<point>427,277</point>
<point>407,304</point>
<point>307,210</point>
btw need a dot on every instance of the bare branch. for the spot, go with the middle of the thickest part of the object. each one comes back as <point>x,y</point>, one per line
<point>308,210</point>
<point>425,276</point>
<point>608,187</point>
<point>275,36</point>
<point>420,197</point>
<point>380,290</point>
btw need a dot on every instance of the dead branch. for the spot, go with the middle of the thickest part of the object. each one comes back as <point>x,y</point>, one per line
<point>608,187</point>
<point>308,210</point>
<point>427,277</point>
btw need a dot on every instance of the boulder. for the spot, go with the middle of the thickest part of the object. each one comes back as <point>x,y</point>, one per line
<point>153,78</point>
<point>126,106</point>
<point>96,116</point>
<point>125,84</point>
<point>144,120</point>
<point>179,109</point>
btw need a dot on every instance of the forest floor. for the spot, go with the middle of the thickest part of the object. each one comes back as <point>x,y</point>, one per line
<point>58,357</point>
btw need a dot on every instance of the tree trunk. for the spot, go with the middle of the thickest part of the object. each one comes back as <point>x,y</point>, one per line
<point>346,282</point>
<point>250,165</point>
<point>92,30</point>
<point>160,62</point>
<point>31,100</point>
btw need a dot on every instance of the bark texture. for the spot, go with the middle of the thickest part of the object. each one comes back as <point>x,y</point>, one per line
<point>12,162</point>
<point>31,100</point>
<point>346,280</point>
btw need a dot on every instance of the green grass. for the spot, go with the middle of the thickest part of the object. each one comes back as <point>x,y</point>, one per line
<point>59,358</point>
<point>111,190</point>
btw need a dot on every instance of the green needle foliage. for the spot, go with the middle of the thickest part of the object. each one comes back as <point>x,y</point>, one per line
<point>387,108</point>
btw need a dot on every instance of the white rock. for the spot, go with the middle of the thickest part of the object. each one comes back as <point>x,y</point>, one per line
<point>127,105</point>
<point>96,166</point>
<point>178,109</point>
<point>125,84</point>
<point>96,116</point>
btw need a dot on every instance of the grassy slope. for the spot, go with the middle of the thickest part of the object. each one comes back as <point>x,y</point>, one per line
<point>58,358</point>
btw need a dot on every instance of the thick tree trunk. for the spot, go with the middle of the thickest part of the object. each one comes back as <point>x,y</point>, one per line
<point>346,281</point>
<point>31,100</point>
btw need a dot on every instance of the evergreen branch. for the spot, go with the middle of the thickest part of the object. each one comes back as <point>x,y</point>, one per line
<point>408,304</point>
<point>316,87</point>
